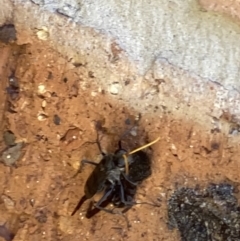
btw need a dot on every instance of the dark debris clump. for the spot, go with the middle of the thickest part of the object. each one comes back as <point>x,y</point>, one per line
<point>7,33</point>
<point>211,214</point>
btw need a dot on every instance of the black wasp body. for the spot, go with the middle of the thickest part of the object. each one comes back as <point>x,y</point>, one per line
<point>110,176</point>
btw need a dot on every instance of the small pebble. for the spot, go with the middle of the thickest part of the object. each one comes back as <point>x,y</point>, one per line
<point>12,154</point>
<point>56,120</point>
<point>114,88</point>
<point>128,121</point>
<point>32,202</point>
<point>9,138</point>
<point>44,103</point>
<point>9,203</point>
<point>41,89</point>
<point>133,132</point>
<point>93,93</point>
<point>42,117</point>
<point>43,33</point>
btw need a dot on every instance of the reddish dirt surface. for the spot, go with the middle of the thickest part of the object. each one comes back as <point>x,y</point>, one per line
<point>39,193</point>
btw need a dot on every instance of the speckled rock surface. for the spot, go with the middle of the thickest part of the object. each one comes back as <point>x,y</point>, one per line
<point>176,61</point>
<point>104,66</point>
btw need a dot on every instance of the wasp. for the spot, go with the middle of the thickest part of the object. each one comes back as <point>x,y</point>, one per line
<point>117,175</point>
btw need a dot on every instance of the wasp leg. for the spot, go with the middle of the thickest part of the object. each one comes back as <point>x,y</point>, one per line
<point>82,200</point>
<point>81,166</point>
<point>100,204</point>
<point>129,204</point>
<point>120,145</point>
<point>132,203</point>
<point>86,162</point>
<point>112,211</point>
<point>126,209</point>
<point>99,145</point>
<point>127,179</point>
<point>151,204</point>
<point>89,162</point>
<point>100,148</point>
<point>104,209</point>
<point>98,127</point>
<point>91,212</point>
<point>123,200</point>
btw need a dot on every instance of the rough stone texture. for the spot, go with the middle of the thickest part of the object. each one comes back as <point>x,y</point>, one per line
<point>44,188</point>
<point>230,7</point>
<point>205,215</point>
<point>176,31</point>
<point>6,11</point>
<point>3,83</point>
<point>185,52</point>
<point>98,83</point>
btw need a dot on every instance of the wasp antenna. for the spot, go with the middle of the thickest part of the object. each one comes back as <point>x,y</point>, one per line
<point>126,164</point>
<point>136,150</point>
<point>99,145</point>
<point>120,145</point>
<point>145,146</point>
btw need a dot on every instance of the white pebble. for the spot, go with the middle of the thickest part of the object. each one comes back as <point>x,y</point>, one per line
<point>114,88</point>
<point>173,147</point>
<point>41,89</point>
<point>43,33</point>
<point>93,93</point>
<point>41,117</point>
<point>44,103</point>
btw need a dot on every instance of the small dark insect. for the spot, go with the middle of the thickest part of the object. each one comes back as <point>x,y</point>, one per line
<point>118,176</point>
